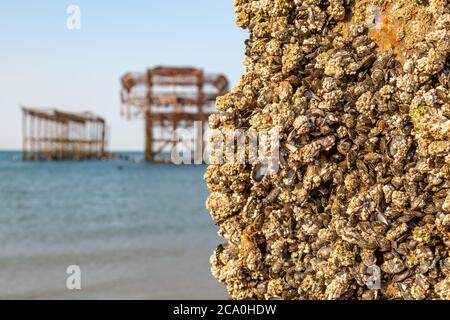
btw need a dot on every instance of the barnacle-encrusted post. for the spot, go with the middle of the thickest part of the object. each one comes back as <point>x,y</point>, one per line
<point>360,206</point>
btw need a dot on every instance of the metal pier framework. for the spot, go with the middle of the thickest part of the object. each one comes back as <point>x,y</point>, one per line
<point>50,134</point>
<point>169,98</point>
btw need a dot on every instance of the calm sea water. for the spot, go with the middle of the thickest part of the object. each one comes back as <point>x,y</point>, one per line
<point>136,230</point>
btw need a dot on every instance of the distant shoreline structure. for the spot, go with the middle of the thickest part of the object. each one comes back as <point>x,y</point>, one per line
<point>54,135</point>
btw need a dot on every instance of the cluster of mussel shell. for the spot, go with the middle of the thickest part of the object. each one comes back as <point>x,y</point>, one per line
<point>364,175</point>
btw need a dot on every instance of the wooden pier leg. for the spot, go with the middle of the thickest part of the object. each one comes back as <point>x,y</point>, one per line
<point>149,156</point>
<point>33,137</point>
<point>24,135</point>
<point>39,138</point>
<point>103,147</point>
<point>199,130</point>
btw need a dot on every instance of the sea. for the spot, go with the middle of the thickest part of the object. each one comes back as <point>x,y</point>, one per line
<point>117,229</point>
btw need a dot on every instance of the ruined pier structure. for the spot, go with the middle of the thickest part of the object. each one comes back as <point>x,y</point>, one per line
<point>50,134</point>
<point>169,98</point>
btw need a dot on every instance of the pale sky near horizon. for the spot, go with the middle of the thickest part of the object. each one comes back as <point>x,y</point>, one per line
<point>42,63</point>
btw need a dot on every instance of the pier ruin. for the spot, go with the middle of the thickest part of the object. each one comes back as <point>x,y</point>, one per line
<point>169,98</point>
<point>50,134</point>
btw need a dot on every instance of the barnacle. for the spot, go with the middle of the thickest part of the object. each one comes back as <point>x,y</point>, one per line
<point>360,93</point>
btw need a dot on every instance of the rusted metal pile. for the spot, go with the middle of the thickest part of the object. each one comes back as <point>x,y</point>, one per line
<point>50,134</point>
<point>170,98</point>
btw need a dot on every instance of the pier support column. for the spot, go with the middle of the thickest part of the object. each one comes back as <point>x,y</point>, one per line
<point>149,156</point>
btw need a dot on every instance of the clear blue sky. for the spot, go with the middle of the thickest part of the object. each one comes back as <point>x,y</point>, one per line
<point>42,63</point>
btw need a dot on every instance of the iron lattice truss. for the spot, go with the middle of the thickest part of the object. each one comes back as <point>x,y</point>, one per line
<point>169,98</point>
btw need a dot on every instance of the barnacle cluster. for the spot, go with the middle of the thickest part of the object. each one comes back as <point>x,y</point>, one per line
<point>364,173</point>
